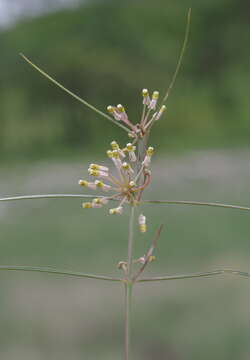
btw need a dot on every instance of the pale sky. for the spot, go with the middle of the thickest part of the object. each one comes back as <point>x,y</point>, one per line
<point>13,10</point>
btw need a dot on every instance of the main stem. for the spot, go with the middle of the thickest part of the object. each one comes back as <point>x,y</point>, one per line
<point>129,285</point>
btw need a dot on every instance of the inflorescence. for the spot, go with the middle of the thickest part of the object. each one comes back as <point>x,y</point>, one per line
<point>148,117</point>
<point>132,164</point>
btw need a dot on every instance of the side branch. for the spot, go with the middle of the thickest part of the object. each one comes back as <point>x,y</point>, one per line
<point>199,203</point>
<point>196,275</point>
<point>57,272</point>
<point>149,254</point>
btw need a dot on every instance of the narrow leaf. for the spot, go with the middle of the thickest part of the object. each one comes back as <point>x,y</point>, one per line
<point>72,94</point>
<point>56,272</point>
<point>196,275</point>
<point>47,196</point>
<point>196,203</point>
<point>184,45</point>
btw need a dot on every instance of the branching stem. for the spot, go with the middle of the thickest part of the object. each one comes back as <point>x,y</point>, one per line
<point>148,255</point>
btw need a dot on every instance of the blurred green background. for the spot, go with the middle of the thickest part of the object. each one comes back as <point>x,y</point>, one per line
<point>107,51</point>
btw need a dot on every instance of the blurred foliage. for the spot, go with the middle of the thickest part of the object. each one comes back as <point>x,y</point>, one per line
<point>107,51</point>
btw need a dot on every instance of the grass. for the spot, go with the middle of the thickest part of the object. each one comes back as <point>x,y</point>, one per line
<point>45,316</point>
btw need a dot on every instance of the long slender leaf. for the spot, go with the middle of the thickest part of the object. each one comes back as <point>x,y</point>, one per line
<point>46,196</point>
<point>196,275</point>
<point>196,203</point>
<point>184,45</point>
<point>56,272</point>
<point>72,94</point>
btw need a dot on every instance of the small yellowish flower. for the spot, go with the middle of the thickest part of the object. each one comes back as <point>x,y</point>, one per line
<point>87,184</point>
<point>98,173</point>
<point>146,97</point>
<point>115,146</point>
<point>98,167</point>
<point>99,202</point>
<point>116,211</point>
<point>122,112</point>
<point>147,160</point>
<point>87,205</point>
<point>83,183</point>
<point>131,152</point>
<point>132,184</point>
<point>100,184</point>
<point>126,166</point>
<point>154,99</point>
<point>160,112</point>
<point>112,110</point>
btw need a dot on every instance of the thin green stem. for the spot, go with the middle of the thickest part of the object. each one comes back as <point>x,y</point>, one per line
<point>130,241</point>
<point>129,285</point>
<point>57,272</point>
<point>196,275</point>
<point>72,94</point>
<point>198,203</point>
<point>139,173</point>
<point>149,254</point>
<point>128,298</point>
<point>180,57</point>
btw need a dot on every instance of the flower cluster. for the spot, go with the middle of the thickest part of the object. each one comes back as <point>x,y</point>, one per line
<point>147,118</point>
<point>132,164</point>
<point>127,185</point>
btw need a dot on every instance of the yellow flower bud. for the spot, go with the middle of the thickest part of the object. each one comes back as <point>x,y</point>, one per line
<point>83,182</point>
<point>155,95</point>
<point>87,205</point>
